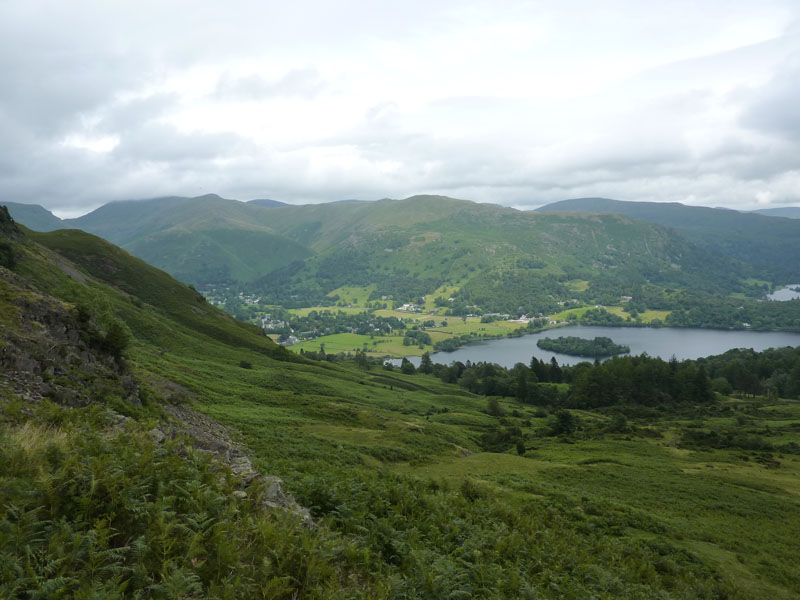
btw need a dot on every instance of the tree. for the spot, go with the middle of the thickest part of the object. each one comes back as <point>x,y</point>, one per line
<point>522,385</point>
<point>520,447</point>
<point>116,340</point>
<point>7,258</point>
<point>555,371</point>
<point>407,367</point>
<point>426,364</point>
<point>361,360</point>
<point>565,423</point>
<point>494,409</point>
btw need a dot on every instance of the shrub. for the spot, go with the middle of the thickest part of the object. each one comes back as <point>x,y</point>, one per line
<point>7,258</point>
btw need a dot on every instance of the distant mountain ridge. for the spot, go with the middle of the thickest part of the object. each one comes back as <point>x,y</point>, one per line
<point>787,212</point>
<point>34,216</point>
<point>267,202</point>
<point>418,243</point>
<point>197,240</point>
<point>770,245</point>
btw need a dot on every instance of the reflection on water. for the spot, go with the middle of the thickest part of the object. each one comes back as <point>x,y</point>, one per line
<point>664,343</point>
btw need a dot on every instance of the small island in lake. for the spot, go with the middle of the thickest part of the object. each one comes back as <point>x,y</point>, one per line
<point>575,346</point>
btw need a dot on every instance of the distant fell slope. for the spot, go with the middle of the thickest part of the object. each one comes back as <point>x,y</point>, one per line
<point>497,256</point>
<point>787,212</point>
<point>267,202</point>
<point>322,226</point>
<point>415,242</point>
<point>128,221</point>
<point>207,239</point>
<point>771,246</point>
<point>34,216</point>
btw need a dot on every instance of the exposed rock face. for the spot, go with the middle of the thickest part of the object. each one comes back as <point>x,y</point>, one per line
<point>211,436</point>
<point>45,350</point>
<point>8,228</point>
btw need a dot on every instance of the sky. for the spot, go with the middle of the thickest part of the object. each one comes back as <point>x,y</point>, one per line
<point>516,103</point>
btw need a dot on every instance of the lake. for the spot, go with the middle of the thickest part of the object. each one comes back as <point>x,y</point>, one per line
<point>786,293</point>
<point>663,342</point>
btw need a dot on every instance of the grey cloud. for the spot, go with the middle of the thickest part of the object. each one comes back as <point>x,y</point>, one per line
<point>775,108</point>
<point>71,68</point>
<point>157,142</point>
<point>127,115</point>
<point>305,83</point>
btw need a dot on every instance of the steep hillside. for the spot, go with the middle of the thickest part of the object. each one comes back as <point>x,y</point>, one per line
<point>267,202</point>
<point>198,240</point>
<point>771,246</point>
<point>34,216</point>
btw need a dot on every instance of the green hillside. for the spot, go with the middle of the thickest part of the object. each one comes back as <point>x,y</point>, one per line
<point>500,258</point>
<point>212,240</point>
<point>457,257</point>
<point>135,420</point>
<point>198,240</point>
<point>33,216</point>
<point>771,247</point>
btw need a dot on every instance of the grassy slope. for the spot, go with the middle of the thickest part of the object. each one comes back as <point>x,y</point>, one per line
<point>439,238</point>
<point>768,243</point>
<point>151,301</point>
<point>34,216</point>
<point>485,249</point>
<point>198,240</point>
<point>380,458</point>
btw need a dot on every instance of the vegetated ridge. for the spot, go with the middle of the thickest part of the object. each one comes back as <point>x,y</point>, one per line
<point>212,240</point>
<point>768,245</point>
<point>787,212</point>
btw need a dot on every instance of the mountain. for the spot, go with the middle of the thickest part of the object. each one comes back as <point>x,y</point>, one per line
<point>405,248</point>
<point>199,240</point>
<point>266,202</point>
<point>154,447</point>
<point>787,212</point>
<point>34,216</point>
<point>499,258</point>
<point>770,246</point>
<point>489,255</point>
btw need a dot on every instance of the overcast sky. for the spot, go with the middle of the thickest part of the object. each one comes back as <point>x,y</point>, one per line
<point>518,103</point>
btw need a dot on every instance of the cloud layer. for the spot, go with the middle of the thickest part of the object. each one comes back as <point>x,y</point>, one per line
<point>519,103</point>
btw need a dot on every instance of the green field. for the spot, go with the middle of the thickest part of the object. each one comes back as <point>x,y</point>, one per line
<point>355,295</point>
<point>646,316</point>
<point>444,291</point>
<point>379,345</point>
<point>303,312</point>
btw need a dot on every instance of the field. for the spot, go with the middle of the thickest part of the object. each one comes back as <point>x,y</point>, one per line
<point>303,312</point>
<point>355,295</point>
<point>646,316</point>
<point>381,345</point>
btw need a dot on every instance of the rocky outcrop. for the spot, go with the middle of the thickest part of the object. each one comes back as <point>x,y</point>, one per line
<point>210,436</point>
<point>46,350</point>
<point>8,228</point>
